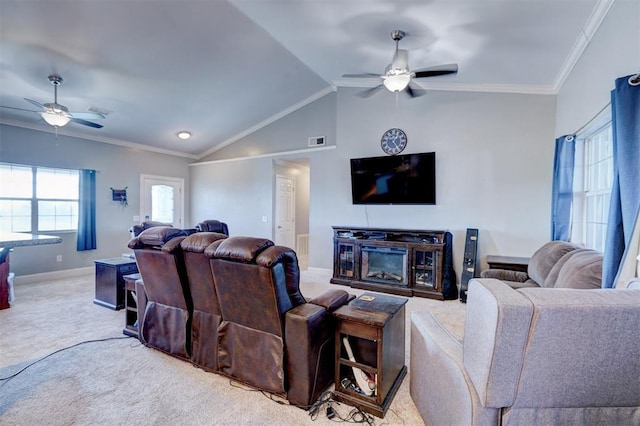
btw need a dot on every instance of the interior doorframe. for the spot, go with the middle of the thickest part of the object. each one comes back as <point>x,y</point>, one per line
<point>277,205</point>
<point>174,180</point>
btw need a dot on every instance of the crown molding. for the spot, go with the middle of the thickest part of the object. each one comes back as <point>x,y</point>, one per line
<point>126,144</point>
<point>271,154</point>
<point>593,23</point>
<point>269,120</point>
<point>458,87</point>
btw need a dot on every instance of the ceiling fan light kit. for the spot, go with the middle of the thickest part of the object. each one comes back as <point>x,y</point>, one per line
<point>57,115</point>
<point>396,83</point>
<point>397,76</point>
<point>55,119</point>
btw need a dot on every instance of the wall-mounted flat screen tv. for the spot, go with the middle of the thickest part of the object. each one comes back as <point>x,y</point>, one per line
<point>398,179</point>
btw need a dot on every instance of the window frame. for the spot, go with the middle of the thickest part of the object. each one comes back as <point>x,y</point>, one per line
<point>34,200</point>
<point>581,231</point>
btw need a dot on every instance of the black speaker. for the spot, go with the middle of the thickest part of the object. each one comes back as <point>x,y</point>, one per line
<point>468,262</point>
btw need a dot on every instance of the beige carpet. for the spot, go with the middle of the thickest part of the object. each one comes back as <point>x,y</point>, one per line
<point>122,382</point>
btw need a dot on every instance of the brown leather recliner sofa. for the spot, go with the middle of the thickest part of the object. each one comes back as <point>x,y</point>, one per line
<point>270,337</point>
<point>136,230</point>
<point>166,323</point>
<point>243,316</point>
<point>206,317</point>
<point>213,226</point>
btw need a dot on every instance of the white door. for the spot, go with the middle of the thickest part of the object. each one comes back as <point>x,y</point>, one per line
<point>285,222</point>
<point>161,199</point>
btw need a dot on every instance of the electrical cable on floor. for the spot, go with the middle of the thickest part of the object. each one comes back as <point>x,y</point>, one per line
<point>6,380</point>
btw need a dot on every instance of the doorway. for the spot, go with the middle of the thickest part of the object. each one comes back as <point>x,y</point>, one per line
<point>285,222</point>
<point>291,206</point>
<point>162,199</point>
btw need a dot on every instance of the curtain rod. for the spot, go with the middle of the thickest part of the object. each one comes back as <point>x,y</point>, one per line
<point>595,117</point>
<point>634,80</point>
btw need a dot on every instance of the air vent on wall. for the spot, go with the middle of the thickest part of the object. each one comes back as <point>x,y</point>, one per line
<point>316,141</point>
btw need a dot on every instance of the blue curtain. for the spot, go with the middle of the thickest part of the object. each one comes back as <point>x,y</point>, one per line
<point>87,211</point>
<point>625,192</point>
<point>562,191</point>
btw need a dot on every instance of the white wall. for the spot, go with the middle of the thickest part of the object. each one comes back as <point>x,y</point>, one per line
<point>494,164</point>
<point>238,193</point>
<point>289,133</point>
<point>614,51</point>
<point>493,168</point>
<point>117,167</point>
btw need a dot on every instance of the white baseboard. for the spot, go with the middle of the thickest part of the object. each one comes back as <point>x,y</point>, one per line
<point>55,275</point>
<point>322,271</point>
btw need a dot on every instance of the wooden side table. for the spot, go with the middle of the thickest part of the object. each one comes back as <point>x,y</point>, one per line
<point>374,328</point>
<point>131,325</point>
<point>110,282</point>
<point>510,263</point>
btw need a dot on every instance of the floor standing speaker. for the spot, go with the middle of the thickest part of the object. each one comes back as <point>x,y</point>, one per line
<point>468,262</point>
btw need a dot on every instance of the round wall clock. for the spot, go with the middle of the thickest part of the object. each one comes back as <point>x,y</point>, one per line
<point>394,141</point>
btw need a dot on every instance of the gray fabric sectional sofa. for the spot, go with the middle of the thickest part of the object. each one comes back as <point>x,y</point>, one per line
<point>556,350</point>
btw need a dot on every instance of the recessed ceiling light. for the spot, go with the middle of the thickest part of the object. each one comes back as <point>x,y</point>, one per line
<point>184,135</point>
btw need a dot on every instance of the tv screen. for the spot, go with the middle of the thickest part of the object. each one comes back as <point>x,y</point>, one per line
<point>398,179</point>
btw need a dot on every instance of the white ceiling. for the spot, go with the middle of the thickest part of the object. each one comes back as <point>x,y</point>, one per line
<point>222,68</point>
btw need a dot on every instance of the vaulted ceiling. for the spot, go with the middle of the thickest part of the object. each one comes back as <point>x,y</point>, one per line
<point>222,68</point>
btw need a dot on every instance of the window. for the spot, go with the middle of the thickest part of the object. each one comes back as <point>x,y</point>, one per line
<point>162,203</point>
<point>38,199</point>
<point>598,178</point>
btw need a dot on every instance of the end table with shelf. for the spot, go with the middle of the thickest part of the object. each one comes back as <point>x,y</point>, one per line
<point>374,327</point>
<point>110,281</point>
<point>510,263</point>
<point>131,325</point>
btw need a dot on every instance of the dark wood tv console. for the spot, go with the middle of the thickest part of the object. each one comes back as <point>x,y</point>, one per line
<point>397,261</point>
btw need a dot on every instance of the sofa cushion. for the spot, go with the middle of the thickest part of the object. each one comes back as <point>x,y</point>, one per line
<point>545,258</point>
<point>582,270</point>
<point>156,236</point>
<point>199,241</point>
<point>582,350</point>
<point>244,249</point>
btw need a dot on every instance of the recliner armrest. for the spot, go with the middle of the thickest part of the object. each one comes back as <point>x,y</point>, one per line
<point>309,352</point>
<point>332,299</point>
<point>505,275</point>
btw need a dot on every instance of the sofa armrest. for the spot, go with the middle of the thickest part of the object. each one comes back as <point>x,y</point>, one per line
<point>332,299</point>
<point>505,275</point>
<point>496,330</point>
<point>309,336</point>
<point>439,385</point>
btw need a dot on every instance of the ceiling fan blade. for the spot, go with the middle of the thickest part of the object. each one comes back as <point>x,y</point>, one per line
<point>19,109</point>
<point>36,103</point>
<point>370,92</point>
<point>88,115</point>
<point>400,60</point>
<point>414,90</point>
<point>364,75</point>
<point>436,71</point>
<point>86,123</point>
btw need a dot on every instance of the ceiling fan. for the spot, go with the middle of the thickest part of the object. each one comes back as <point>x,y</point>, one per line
<point>397,76</point>
<point>58,115</point>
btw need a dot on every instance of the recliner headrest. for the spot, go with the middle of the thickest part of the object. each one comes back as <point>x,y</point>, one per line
<point>243,249</point>
<point>199,241</point>
<point>156,236</point>
<point>213,226</point>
